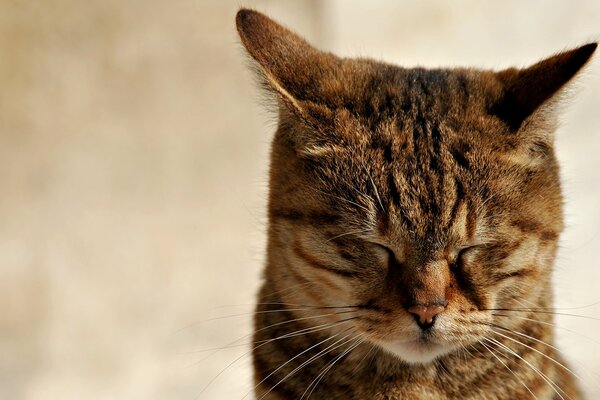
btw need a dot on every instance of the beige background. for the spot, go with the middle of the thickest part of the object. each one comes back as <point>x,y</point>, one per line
<point>133,157</point>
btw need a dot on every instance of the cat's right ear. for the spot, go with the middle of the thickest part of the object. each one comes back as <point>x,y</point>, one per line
<point>287,64</point>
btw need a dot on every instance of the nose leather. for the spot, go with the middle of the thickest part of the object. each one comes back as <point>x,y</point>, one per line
<point>426,313</point>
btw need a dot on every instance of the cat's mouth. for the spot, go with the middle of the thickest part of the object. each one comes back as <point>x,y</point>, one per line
<point>421,350</point>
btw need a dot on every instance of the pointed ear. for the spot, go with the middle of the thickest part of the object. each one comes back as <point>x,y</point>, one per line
<point>295,70</point>
<point>526,90</point>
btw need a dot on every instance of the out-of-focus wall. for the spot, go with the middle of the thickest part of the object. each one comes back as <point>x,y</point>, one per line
<point>133,158</point>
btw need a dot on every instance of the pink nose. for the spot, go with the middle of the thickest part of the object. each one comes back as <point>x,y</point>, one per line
<point>426,314</point>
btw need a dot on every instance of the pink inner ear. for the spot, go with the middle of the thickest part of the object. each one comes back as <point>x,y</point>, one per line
<point>527,89</point>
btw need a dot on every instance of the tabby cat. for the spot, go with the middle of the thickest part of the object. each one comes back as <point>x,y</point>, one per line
<point>413,223</point>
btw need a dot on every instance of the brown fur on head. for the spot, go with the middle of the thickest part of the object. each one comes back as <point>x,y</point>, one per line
<point>423,199</point>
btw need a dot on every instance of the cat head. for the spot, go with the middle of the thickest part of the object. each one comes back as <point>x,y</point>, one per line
<point>419,200</point>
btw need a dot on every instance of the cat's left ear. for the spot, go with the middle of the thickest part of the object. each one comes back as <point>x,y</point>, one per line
<point>524,91</point>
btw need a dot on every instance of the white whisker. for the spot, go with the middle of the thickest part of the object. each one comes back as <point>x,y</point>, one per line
<point>554,387</point>
<point>289,335</point>
<point>539,352</point>
<point>292,359</point>
<point>508,368</point>
<point>324,371</point>
<point>331,347</point>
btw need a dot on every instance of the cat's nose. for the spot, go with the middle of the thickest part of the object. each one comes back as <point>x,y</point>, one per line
<point>425,314</point>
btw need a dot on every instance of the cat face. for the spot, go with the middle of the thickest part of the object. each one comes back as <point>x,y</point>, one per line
<point>418,202</point>
<point>422,210</point>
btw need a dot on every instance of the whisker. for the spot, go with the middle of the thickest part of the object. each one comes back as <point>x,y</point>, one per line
<point>346,200</point>
<point>566,308</point>
<point>520,334</point>
<point>329,348</point>
<point>265,342</point>
<point>308,330</point>
<point>193,324</point>
<point>292,359</point>
<point>304,318</point>
<point>541,353</point>
<point>375,189</point>
<point>269,303</point>
<point>363,195</point>
<point>233,343</point>
<point>490,197</point>
<point>216,349</point>
<point>310,305</point>
<point>442,365</point>
<point>373,347</point>
<point>269,312</point>
<point>535,369</point>
<point>549,324</point>
<point>465,352</point>
<point>349,233</point>
<point>299,308</point>
<point>508,368</point>
<point>592,374</point>
<point>358,341</point>
<point>540,311</point>
<point>287,289</point>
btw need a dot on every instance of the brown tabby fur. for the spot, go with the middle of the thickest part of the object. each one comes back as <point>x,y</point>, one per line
<point>379,177</point>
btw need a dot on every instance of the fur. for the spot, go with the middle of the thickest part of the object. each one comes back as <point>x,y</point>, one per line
<point>413,223</point>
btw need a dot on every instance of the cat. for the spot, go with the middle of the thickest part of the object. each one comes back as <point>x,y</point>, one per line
<point>413,223</point>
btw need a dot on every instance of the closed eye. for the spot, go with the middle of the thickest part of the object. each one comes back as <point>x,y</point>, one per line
<point>387,255</point>
<point>459,258</point>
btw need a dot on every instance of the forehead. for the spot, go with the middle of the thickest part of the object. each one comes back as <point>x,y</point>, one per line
<point>421,144</point>
<point>383,91</point>
<point>428,180</point>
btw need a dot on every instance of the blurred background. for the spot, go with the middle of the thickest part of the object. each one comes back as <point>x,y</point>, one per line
<point>133,159</point>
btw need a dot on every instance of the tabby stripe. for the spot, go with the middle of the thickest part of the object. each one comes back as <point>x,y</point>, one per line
<point>463,87</point>
<point>308,290</point>
<point>460,194</point>
<point>299,277</point>
<point>458,152</point>
<point>395,195</point>
<point>311,217</point>
<point>548,236</point>
<point>511,246</point>
<point>312,261</point>
<point>502,250</point>
<point>469,288</point>
<point>498,277</point>
<point>531,226</point>
<point>383,222</point>
<point>393,189</point>
<point>384,144</point>
<point>471,223</point>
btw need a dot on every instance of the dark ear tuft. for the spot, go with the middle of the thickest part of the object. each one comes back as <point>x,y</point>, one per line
<point>525,90</point>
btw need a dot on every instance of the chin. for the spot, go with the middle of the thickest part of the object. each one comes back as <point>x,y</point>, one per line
<point>418,351</point>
